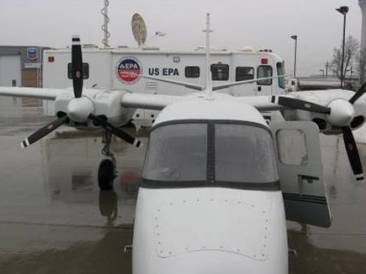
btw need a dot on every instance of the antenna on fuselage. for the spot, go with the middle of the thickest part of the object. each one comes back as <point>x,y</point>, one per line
<point>208,86</point>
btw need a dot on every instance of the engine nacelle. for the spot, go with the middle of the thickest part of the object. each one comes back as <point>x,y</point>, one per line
<point>106,103</point>
<point>342,112</point>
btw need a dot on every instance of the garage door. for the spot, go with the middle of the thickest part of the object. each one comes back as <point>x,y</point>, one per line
<point>10,71</point>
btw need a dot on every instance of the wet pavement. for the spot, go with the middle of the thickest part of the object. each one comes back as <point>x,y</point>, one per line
<point>54,219</point>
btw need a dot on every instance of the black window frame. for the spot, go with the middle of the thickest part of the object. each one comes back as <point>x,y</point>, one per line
<point>214,72</point>
<point>192,72</point>
<point>85,71</point>
<point>267,82</point>
<point>244,78</point>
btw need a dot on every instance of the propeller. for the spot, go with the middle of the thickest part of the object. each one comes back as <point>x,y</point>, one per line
<point>79,109</point>
<point>340,114</point>
<point>349,140</point>
<point>77,81</point>
<point>114,130</point>
<point>358,94</point>
<point>77,66</point>
<point>300,104</point>
<point>352,152</point>
<point>43,131</point>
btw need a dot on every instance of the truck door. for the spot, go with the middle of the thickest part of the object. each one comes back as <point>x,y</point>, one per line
<point>301,173</point>
<point>264,87</point>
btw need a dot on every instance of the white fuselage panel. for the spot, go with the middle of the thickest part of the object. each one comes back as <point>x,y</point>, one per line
<point>209,230</point>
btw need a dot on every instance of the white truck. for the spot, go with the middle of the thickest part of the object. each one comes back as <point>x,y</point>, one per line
<point>120,68</point>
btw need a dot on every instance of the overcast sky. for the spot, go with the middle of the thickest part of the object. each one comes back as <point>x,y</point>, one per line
<point>236,24</point>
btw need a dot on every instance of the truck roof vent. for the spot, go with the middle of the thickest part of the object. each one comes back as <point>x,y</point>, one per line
<point>150,48</point>
<point>247,49</point>
<point>90,46</point>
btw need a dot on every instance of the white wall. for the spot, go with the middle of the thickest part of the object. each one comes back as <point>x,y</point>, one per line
<point>10,69</point>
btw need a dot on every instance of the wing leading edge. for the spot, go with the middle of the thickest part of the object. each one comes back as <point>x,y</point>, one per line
<point>40,93</point>
<point>149,101</point>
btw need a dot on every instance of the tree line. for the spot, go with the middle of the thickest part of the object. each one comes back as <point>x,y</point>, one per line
<point>354,61</point>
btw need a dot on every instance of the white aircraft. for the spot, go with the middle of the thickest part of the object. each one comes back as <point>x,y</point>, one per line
<point>218,180</point>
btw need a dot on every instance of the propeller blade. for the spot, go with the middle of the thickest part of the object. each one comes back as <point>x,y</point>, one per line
<point>116,131</point>
<point>43,131</point>
<point>77,66</point>
<point>352,152</point>
<point>300,104</point>
<point>358,94</point>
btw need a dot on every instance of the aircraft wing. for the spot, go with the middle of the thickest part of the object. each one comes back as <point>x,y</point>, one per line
<point>149,101</point>
<point>262,103</point>
<point>40,93</point>
<point>160,101</point>
<point>305,100</point>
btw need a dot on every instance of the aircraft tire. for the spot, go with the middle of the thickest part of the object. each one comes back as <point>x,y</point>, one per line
<point>106,174</point>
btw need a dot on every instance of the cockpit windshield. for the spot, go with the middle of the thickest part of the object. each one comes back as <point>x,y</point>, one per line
<point>210,152</point>
<point>177,153</point>
<point>244,154</point>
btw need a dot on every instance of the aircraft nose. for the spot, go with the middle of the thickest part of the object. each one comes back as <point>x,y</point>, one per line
<point>210,231</point>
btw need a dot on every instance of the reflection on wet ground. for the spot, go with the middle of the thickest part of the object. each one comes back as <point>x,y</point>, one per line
<point>54,219</point>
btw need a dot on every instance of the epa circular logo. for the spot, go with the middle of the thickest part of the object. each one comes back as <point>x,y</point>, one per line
<point>128,70</point>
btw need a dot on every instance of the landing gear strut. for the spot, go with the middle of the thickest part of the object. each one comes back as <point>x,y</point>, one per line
<point>107,168</point>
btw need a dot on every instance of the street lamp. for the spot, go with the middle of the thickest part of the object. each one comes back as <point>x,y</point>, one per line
<point>343,10</point>
<point>322,71</point>
<point>294,37</point>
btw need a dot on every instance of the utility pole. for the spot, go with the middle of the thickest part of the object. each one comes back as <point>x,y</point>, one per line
<point>343,10</point>
<point>294,37</point>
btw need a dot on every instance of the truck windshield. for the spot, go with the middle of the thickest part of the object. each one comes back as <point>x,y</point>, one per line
<point>214,151</point>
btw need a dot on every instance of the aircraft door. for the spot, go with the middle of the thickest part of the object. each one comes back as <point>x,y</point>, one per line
<point>300,169</point>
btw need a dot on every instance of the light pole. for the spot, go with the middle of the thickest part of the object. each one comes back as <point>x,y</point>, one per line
<point>294,37</point>
<point>343,10</point>
<point>322,71</point>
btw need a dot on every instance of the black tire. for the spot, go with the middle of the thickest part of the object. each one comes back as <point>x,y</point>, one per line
<point>106,175</point>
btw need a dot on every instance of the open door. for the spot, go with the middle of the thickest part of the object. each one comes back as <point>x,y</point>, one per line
<point>301,172</point>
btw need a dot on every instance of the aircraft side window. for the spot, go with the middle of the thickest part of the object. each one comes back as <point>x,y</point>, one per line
<point>264,71</point>
<point>85,71</point>
<point>220,72</point>
<point>244,73</point>
<point>292,149</point>
<point>192,72</point>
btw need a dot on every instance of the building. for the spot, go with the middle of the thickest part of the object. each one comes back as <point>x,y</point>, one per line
<point>21,66</point>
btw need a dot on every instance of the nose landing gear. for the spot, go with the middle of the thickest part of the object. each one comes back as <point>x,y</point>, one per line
<point>107,168</point>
